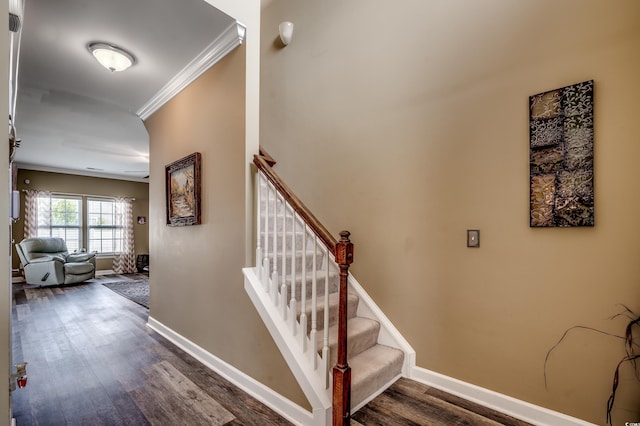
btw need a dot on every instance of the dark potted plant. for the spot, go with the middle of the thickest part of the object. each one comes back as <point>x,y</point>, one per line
<point>630,345</point>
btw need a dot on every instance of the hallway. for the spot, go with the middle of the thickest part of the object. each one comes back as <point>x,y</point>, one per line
<point>92,360</point>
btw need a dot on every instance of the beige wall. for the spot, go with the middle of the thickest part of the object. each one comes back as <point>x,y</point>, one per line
<point>74,184</point>
<point>196,283</point>
<point>407,123</point>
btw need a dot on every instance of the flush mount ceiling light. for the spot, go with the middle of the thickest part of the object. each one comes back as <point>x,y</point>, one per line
<point>111,57</point>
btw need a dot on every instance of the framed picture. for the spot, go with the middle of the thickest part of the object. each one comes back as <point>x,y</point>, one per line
<point>561,157</point>
<point>183,191</point>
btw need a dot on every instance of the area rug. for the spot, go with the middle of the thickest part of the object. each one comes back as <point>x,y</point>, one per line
<point>136,291</point>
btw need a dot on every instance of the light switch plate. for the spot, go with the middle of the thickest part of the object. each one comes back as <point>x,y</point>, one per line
<point>473,238</point>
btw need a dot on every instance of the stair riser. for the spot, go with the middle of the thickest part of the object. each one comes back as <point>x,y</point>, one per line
<point>356,344</point>
<point>281,224</point>
<point>298,260</point>
<point>263,202</point>
<point>352,308</point>
<point>333,285</point>
<point>298,241</point>
<point>308,292</point>
<point>368,380</point>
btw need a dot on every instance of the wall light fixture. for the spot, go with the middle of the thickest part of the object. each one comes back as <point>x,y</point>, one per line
<point>286,32</point>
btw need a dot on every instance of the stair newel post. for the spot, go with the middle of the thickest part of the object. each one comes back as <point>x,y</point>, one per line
<point>342,371</point>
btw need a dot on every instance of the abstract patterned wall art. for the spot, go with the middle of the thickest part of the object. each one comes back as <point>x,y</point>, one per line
<point>561,157</point>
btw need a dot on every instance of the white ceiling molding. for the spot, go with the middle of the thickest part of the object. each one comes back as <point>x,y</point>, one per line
<point>231,38</point>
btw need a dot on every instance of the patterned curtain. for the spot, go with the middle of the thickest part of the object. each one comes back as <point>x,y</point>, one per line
<point>32,198</point>
<point>125,262</point>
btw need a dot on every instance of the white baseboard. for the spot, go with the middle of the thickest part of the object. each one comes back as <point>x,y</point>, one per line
<point>294,413</point>
<point>281,405</point>
<point>519,409</point>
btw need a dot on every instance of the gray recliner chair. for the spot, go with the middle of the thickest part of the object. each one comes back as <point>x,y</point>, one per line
<point>46,261</point>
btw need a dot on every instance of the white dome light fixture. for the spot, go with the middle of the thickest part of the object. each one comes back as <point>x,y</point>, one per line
<point>111,57</point>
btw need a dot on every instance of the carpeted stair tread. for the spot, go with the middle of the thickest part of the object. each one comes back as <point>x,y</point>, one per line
<point>362,334</point>
<point>372,369</point>
<point>334,304</point>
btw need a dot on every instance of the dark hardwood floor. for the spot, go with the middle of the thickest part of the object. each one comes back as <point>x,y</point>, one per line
<point>408,402</point>
<point>93,361</point>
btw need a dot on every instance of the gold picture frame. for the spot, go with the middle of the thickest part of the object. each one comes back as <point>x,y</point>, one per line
<point>183,188</point>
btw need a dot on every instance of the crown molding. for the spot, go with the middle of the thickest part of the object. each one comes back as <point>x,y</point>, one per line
<point>231,38</point>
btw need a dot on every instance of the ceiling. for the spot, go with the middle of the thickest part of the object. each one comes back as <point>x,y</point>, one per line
<point>75,116</point>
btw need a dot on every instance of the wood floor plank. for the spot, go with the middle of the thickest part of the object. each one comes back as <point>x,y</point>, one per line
<point>188,402</point>
<point>91,355</point>
<point>427,411</point>
<point>477,408</point>
<point>408,402</point>
<point>246,409</point>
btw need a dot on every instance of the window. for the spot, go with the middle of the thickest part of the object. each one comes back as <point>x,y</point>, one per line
<point>94,225</point>
<point>105,236</point>
<point>61,216</point>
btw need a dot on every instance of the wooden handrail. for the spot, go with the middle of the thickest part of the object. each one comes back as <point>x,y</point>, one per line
<point>314,224</point>
<point>267,157</point>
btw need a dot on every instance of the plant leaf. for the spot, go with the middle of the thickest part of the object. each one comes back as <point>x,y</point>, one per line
<point>582,327</point>
<point>614,387</point>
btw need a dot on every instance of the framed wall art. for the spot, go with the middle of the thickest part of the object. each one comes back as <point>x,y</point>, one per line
<point>183,191</point>
<point>561,157</point>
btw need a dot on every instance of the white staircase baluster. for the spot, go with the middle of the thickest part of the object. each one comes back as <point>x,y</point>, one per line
<point>274,276</point>
<point>303,292</point>
<point>293,306</point>
<point>259,209</point>
<point>265,274</point>
<point>283,286</point>
<point>314,307</point>
<point>325,338</point>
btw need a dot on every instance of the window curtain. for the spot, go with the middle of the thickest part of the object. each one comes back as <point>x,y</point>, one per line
<point>124,261</point>
<point>32,198</point>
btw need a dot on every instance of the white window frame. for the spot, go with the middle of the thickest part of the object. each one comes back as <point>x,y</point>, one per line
<point>46,227</point>
<point>116,229</point>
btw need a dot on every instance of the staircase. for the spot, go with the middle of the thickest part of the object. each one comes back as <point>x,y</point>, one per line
<point>295,288</point>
